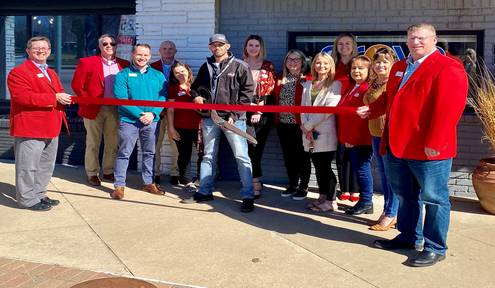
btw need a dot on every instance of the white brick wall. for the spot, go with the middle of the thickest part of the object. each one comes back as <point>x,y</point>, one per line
<point>188,23</point>
<point>9,48</point>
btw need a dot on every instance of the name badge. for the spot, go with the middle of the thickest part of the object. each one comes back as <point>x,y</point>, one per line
<point>181,93</point>
<point>40,75</point>
<point>399,74</point>
<point>132,74</point>
<point>356,95</point>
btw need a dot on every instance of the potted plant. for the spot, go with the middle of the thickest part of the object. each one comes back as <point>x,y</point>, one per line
<point>482,90</point>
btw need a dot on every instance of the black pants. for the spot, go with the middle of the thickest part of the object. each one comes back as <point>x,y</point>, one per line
<point>297,162</point>
<point>324,174</point>
<point>261,131</point>
<point>184,147</point>
<point>347,178</point>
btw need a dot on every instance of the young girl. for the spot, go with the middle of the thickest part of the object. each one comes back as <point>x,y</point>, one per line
<point>182,124</point>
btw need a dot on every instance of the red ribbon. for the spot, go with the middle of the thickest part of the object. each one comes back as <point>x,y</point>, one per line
<point>193,106</point>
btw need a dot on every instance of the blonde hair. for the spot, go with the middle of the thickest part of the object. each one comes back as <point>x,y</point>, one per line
<point>331,73</point>
<point>426,26</point>
<point>335,53</point>
<point>258,38</point>
<point>388,54</point>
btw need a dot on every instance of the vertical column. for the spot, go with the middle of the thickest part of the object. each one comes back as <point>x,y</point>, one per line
<point>7,40</point>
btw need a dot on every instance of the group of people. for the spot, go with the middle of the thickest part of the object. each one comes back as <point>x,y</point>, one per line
<point>403,113</point>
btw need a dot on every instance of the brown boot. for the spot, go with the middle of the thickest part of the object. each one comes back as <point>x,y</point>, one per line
<point>118,193</point>
<point>153,189</point>
<point>94,180</point>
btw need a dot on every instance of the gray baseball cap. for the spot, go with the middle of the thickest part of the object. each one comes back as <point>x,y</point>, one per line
<point>218,38</point>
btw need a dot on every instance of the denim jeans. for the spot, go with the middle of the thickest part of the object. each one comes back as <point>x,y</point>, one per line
<point>128,135</point>
<point>360,157</point>
<point>391,201</point>
<point>418,182</point>
<point>238,144</point>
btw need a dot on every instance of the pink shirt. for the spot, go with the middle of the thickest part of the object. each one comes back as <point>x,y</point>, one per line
<point>110,69</point>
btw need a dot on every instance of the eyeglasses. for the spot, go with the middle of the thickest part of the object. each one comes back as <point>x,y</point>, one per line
<point>40,49</point>
<point>420,39</point>
<point>295,59</point>
<point>104,44</point>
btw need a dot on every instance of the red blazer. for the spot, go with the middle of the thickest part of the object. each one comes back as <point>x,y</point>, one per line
<point>350,127</point>
<point>88,81</point>
<point>425,112</point>
<point>34,110</point>
<point>158,66</point>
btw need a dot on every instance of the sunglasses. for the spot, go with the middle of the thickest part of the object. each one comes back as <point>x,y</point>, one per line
<point>106,44</point>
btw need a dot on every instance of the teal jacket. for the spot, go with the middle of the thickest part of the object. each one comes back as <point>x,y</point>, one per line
<point>130,83</point>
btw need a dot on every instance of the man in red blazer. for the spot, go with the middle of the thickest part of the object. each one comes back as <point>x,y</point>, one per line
<point>94,77</point>
<point>164,65</point>
<point>426,95</point>
<point>36,115</point>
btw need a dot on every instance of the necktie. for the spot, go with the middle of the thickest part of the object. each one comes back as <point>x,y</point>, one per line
<point>43,69</point>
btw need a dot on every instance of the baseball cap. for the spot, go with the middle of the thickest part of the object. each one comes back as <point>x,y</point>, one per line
<point>218,38</point>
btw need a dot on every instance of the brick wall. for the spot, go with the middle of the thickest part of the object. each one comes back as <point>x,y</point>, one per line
<point>273,18</point>
<point>9,52</point>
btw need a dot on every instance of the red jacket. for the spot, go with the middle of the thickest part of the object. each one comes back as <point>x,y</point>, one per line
<point>425,112</point>
<point>158,66</point>
<point>34,110</point>
<point>350,127</point>
<point>88,81</point>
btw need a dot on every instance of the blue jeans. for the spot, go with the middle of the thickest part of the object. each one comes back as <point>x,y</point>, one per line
<point>418,182</point>
<point>128,135</point>
<point>239,146</point>
<point>360,157</point>
<point>391,204</point>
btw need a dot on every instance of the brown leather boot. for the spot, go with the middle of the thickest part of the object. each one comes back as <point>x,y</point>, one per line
<point>94,180</point>
<point>153,189</point>
<point>118,193</point>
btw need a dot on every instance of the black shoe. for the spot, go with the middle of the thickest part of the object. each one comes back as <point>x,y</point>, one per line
<point>184,181</point>
<point>289,191</point>
<point>247,205</point>
<point>394,244</point>
<point>40,207</point>
<point>300,194</point>
<point>425,259</point>
<point>197,198</point>
<point>174,180</point>
<point>51,202</point>
<point>360,208</point>
<point>157,179</point>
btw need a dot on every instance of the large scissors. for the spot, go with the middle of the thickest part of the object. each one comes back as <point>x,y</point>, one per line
<point>205,93</point>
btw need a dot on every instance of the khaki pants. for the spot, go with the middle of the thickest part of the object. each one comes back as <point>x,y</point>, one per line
<point>174,169</point>
<point>106,123</point>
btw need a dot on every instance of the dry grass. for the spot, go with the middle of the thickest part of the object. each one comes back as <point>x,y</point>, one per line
<point>483,102</point>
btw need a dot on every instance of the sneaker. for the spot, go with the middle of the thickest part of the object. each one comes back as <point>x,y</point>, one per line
<point>247,205</point>
<point>197,198</point>
<point>190,187</point>
<point>300,194</point>
<point>289,191</point>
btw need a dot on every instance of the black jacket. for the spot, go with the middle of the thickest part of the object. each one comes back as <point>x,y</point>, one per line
<point>234,84</point>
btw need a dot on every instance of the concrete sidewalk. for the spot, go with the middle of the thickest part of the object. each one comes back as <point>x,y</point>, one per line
<point>280,244</point>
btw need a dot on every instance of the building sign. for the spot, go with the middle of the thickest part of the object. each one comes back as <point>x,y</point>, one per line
<point>127,36</point>
<point>455,42</point>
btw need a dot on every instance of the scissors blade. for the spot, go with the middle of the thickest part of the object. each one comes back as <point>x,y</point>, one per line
<point>226,125</point>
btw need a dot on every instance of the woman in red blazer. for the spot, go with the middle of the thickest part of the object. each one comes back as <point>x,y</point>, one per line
<point>354,134</point>
<point>288,92</point>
